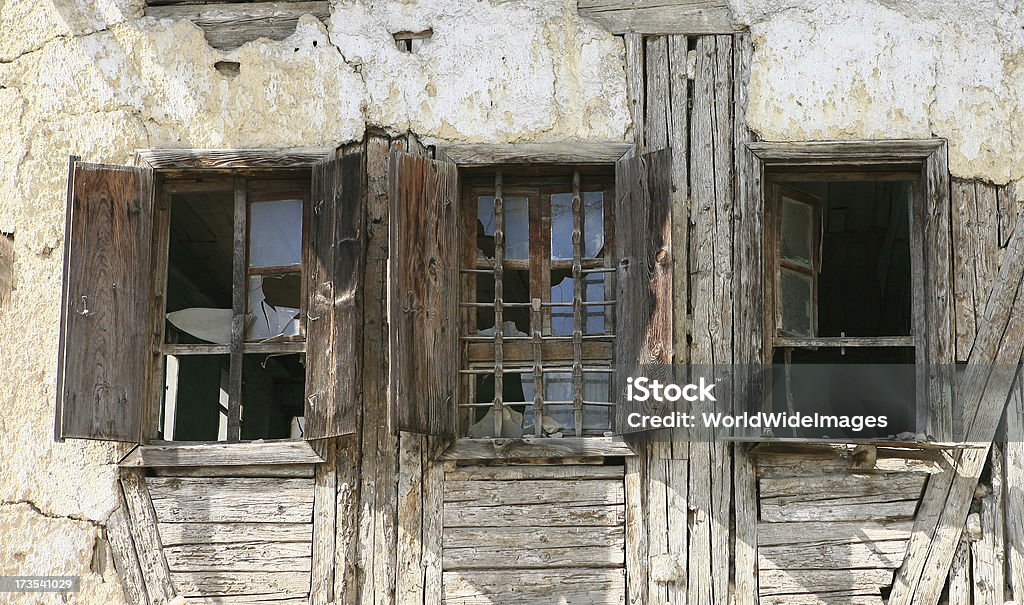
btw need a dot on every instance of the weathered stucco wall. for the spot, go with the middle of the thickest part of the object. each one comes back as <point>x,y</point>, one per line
<point>94,78</point>
<point>892,68</point>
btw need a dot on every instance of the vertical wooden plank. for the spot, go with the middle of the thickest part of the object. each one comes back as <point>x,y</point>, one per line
<point>409,573</point>
<point>939,300</point>
<point>143,525</point>
<point>1009,211</point>
<point>658,488</point>
<point>637,561</point>
<point>105,345</point>
<point>423,293</point>
<point>678,141</point>
<point>378,472</point>
<point>238,301</point>
<point>433,509</point>
<point>1013,467</point>
<point>347,532</point>
<point>960,575</point>
<point>126,558</point>
<point>748,313</point>
<point>987,554</point>
<point>58,423</point>
<point>658,105</point>
<point>678,517</point>
<point>967,299</point>
<point>635,86</point>
<point>325,528</point>
<point>711,179</point>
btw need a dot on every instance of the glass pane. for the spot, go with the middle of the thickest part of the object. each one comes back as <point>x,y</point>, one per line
<point>797,232</point>
<point>199,268</point>
<point>796,298</point>
<point>273,307</point>
<point>592,224</point>
<point>562,292</point>
<point>195,398</point>
<point>275,233</point>
<point>517,227</point>
<point>273,395</point>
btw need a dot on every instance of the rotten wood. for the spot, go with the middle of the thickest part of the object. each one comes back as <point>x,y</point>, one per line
<point>178,534</point>
<point>125,554</point>
<point>580,153</point>
<point>533,448</point>
<point>232,159</point>
<point>222,454</point>
<point>145,535</point>
<point>203,500</point>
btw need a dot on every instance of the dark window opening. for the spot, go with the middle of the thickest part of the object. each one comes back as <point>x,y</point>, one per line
<point>235,298</point>
<point>840,274</point>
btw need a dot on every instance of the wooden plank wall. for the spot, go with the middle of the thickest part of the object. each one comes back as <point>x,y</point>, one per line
<point>534,534</point>
<point>689,93</point>
<point>236,539</point>
<point>831,534</point>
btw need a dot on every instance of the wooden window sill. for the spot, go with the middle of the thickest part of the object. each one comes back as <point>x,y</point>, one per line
<point>249,453</point>
<point>888,443</point>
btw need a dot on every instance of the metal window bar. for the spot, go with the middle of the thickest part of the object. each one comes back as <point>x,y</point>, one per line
<point>485,370</point>
<point>577,304</point>
<point>499,292</point>
<point>536,324</point>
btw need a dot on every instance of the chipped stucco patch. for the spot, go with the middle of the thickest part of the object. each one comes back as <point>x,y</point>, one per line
<point>867,70</point>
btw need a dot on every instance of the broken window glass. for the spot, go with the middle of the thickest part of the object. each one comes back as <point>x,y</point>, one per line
<point>275,233</point>
<point>591,225</point>
<point>515,211</point>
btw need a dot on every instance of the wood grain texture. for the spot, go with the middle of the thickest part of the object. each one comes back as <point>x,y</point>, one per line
<point>485,587</point>
<point>570,492</point>
<point>202,500</point>
<point>232,159</point>
<point>983,393</point>
<point>581,153</point>
<point>659,16</point>
<point>635,87</point>
<point>261,470</point>
<point>229,26</point>
<point>423,293</point>
<point>988,554</point>
<point>325,526</point>
<point>104,346</point>
<point>467,515</point>
<point>847,152</point>
<point>239,556</point>
<point>177,534</point>
<point>846,497</point>
<point>124,553</point>
<point>334,329</point>
<point>6,267</point>
<point>960,575</point>
<point>1013,488</point>
<point>143,524</point>
<point>643,210</point>
<point>938,297</point>
<point>252,584</point>
<point>536,448</point>
<point>222,454</point>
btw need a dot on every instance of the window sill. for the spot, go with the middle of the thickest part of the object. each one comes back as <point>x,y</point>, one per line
<point>250,453</point>
<point>767,442</point>
<point>536,448</point>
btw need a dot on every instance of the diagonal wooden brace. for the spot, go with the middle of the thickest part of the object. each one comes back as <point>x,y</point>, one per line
<point>982,394</point>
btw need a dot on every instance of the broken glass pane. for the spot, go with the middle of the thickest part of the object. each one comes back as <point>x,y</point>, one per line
<point>268,315</point>
<point>592,224</point>
<point>797,245</point>
<point>562,292</point>
<point>275,233</point>
<point>796,299</point>
<point>517,227</point>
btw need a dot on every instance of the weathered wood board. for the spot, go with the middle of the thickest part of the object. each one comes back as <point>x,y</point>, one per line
<point>229,26</point>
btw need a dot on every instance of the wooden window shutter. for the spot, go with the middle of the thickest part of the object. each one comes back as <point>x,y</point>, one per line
<point>423,294</point>
<point>105,329</point>
<point>643,242</point>
<point>334,324</point>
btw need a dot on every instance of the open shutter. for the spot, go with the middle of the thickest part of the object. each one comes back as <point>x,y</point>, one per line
<point>643,238</point>
<point>105,335</point>
<point>334,324</point>
<point>423,294</point>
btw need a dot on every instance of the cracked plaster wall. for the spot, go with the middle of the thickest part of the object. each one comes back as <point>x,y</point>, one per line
<point>95,78</point>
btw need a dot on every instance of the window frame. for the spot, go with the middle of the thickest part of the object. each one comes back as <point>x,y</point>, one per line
<point>931,255</point>
<point>530,156</point>
<point>173,167</point>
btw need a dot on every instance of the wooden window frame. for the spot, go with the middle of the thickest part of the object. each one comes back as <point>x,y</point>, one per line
<point>530,157</point>
<point>226,170</point>
<point>925,161</point>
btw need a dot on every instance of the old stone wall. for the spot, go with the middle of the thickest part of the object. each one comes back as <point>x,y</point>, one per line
<point>96,79</point>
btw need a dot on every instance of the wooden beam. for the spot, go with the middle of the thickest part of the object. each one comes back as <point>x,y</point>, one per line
<point>635,87</point>
<point>1013,488</point>
<point>126,557</point>
<point>983,393</point>
<point>231,159</point>
<point>325,530</point>
<point>832,153</point>
<point>660,16</point>
<point>472,154</point>
<point>222,454</point>
<point>229,26</point>
<point>143,524</point>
